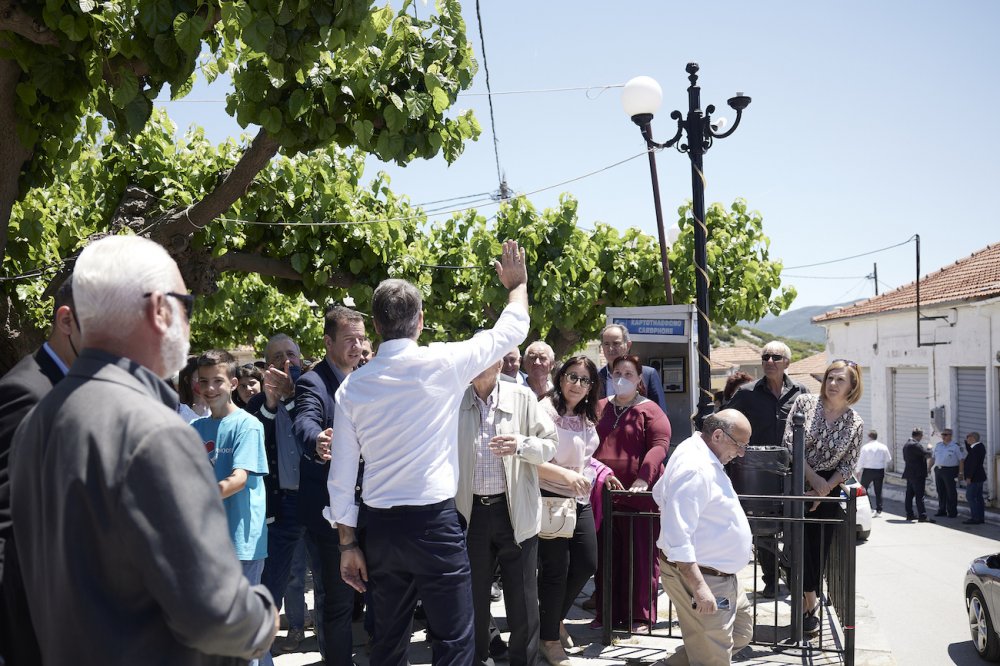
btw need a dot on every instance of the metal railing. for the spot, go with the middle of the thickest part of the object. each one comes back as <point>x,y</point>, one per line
<point>836,633</point>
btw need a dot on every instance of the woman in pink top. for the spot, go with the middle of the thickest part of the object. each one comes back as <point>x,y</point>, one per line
<point>635,440</point>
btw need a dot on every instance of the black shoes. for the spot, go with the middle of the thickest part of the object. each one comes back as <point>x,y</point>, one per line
<point>768,591</point>
<point>972,522</point>
<point>810,623</point>
<point>497,647</point>
<point>940,514</point>
<point>925,519</point>
<point>910,518</point>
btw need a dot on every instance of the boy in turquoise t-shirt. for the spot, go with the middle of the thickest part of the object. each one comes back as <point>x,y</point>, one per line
<point>235,443</point>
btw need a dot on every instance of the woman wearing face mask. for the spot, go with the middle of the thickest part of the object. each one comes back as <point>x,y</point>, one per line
<point>635,439</point>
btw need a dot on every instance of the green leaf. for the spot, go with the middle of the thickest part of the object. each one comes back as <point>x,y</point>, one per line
<point>258,33</point>
<point>441,101</point>
<point>166,50</point>
<point>187,32</point>
<point>395,119</point>
<point>417,104</point>
<point>277,46</point>
<point>156,16</point>
<point>127,88</point>
<point>299,262</point>
<point>357,265</point>
<point>137,113</point>
<point>26,91</point>
<point>299,103</point>
<point>87,6</point>
<point>270,120</point>
<point>183,89</point>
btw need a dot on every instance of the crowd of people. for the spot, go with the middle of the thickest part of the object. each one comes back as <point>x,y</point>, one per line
<point>422,474</point>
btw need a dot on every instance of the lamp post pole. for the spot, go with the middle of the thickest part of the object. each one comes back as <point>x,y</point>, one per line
<point>641,99</point>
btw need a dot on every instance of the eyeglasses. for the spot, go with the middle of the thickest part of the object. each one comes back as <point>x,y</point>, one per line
<point>742,447</point>
<point>574,378</point>
<point>612,345</point>
<point>846,362</point>
<point>187,300</point>
<point>771,357</point>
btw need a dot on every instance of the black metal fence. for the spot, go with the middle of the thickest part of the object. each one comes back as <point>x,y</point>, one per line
<point>771,626</point>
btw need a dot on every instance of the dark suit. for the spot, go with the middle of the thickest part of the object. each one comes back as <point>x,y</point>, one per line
<point>975,474</point>
<point>650,377</point>
<point>915,458</point>
<point>20,390</point>
<point>314,408</point>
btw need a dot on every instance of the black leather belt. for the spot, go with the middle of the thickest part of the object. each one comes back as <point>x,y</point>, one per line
<point>708,571</point>
<point>489,500</point>
<point>414,508</point>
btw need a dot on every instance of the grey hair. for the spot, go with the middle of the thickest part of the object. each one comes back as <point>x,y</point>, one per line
<point>279,337</point>
<point>542,346</point>
<point>396,308</point>
<point>620,327</point>
<point>109,280</point>
<point>724,421</point>
<point>777,346</point>
<point>974,434</point>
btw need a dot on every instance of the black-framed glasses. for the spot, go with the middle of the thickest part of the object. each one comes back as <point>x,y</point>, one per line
<point>846,362</point>
<point>742,447</point>
<point>574,378</point>
<point>187,300</point>
<point>771,357</point>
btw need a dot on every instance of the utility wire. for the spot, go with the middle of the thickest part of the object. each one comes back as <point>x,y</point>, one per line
<point>493,125</point>
<point>826,277</point>
<point>855,256</point>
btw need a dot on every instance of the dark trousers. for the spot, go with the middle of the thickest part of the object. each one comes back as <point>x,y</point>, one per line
<point>419,552</point>
<point>817,538</point>
<point>18,643</point>
<point>491,541</point>
<point>767,546</point>
<point>334,598</point>
<point>564,567</point>
<point>974,496</point>
<point>876,477</point>
<point>915,491</point>
<point>283,538</point>
<point>946,484</point>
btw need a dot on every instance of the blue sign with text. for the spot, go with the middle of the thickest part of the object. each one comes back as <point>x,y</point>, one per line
<point>652,326</point>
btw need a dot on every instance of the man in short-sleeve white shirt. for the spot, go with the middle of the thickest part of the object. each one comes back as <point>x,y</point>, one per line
<point>705,540</point>
<point>872,463</point>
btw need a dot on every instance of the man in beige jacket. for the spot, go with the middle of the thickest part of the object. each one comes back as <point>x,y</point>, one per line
<point>502,436</point>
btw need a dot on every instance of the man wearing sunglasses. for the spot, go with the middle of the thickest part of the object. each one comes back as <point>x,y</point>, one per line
<point>766,404</point>
<point>105,463</point>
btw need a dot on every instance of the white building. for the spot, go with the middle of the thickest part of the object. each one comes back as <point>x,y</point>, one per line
<point>951,378</point>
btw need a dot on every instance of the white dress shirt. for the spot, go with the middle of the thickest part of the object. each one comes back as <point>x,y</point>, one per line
<point>400,412</point>
<point>701,519</point>
<point>874,455</point>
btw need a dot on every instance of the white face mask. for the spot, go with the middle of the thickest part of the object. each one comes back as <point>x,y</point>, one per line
<point>623,386</point>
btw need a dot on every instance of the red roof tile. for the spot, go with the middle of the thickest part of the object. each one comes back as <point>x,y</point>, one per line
<point>737,355</point>
<point>973,278</point>
<point>811,365</point>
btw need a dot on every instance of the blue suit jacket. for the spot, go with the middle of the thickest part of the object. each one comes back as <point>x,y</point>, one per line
<point>314,392</point>
<point>650,377</point>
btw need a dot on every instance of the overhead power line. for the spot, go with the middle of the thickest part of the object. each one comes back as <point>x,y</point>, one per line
<point>853,256</point>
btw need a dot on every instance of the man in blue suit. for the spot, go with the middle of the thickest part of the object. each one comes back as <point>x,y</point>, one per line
<point>343,335</point>
<point>615,342</point>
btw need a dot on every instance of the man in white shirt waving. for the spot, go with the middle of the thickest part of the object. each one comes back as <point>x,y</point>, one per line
<point>705,540</point>
<point>872,461</point>
<point>400,413</point>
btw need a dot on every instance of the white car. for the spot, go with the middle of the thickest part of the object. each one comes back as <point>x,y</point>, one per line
<point>863,514</point>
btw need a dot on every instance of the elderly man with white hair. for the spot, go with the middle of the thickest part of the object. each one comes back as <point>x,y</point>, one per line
<point>539,359</point>
<point>124,543</point>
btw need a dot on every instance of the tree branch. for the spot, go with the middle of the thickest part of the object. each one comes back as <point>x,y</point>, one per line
<point>174,227</point>
<point>13,155</point>
<point>13,19</point>
<point>244,262</point>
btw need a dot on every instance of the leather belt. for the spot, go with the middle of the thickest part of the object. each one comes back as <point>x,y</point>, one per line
<point>708,571</point>
<point>489,500</point>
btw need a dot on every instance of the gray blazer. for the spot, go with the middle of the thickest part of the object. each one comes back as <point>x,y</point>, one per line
<point>121,533</point>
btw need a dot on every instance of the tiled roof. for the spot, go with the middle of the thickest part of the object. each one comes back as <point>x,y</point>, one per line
<point>718,365</point>
<point>737,355</point>
<point>973,278</point>
<point>812,384</point>
<point>811,365</point>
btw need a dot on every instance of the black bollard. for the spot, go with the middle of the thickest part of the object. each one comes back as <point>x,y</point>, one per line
<point>797,528</point>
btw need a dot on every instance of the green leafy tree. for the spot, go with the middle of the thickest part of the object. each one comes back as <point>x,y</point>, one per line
<point>315,76</point>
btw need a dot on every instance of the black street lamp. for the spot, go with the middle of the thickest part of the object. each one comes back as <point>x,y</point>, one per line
<point>641,98</point>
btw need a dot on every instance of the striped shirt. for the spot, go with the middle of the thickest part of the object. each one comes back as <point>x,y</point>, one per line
<point>488,477</point>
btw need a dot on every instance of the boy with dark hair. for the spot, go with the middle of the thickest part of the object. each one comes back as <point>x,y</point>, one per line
<point>234,441</point>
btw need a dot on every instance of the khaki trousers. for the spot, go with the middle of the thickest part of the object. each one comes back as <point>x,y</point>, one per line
<point>709,640</point>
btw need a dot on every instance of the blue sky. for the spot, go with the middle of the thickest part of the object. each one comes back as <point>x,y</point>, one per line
<point>870,122</point>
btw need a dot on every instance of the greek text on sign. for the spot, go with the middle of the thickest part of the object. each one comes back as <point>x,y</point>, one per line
<point>652,326</point>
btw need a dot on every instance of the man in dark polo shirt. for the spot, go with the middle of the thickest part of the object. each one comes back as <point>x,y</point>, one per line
<point>766,404</point>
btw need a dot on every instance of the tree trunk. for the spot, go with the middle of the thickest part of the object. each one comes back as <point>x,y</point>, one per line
<point>18,338</point>
<point>565,342</point>
<point>12,154</point>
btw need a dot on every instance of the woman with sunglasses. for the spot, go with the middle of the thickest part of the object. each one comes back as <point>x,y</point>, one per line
<point>635,440</point>
<point>832,445</point>
<point>566,564</point>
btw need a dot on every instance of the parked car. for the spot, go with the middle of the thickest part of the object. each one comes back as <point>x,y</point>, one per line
<point>982,600</point>
<point>863,513</point>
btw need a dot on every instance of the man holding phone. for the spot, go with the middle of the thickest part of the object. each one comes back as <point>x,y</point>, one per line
<point>705,540</point>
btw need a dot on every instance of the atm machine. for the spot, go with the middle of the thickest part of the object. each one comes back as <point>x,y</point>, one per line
<point>665,337</point>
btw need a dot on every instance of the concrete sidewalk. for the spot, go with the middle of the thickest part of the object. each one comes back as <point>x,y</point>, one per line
<point>894,488</point>
<point>871,647</point>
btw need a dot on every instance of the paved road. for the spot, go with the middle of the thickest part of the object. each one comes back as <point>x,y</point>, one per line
<point>911,575</point>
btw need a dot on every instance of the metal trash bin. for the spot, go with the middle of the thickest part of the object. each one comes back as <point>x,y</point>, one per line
<point>764,470</point>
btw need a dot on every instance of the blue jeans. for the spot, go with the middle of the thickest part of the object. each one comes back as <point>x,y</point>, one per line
<point>974,496</point>
<point>284,571</point>
<point>252,570</point>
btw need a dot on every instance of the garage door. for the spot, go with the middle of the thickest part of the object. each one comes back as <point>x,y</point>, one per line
<point>864,405</point>
<point>910,408</point>
<point>970,410</point>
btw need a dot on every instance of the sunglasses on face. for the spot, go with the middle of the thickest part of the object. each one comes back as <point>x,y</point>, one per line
<point>771,357</point>
<point>573,378</point>
<point>187,300</point>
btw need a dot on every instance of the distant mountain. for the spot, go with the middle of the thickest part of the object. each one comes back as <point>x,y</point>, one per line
<point>796,324</point>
